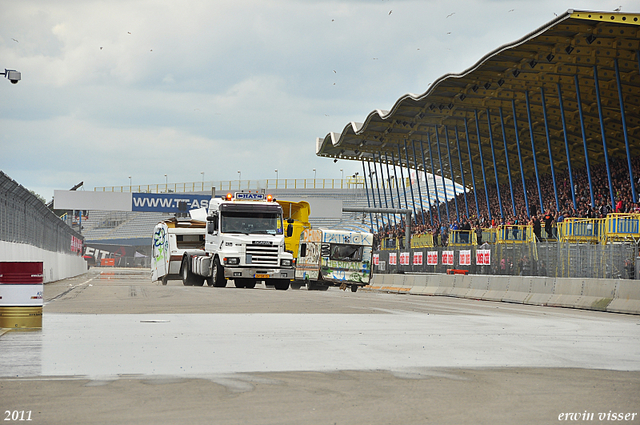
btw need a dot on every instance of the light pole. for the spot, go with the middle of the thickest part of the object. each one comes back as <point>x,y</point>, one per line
<point>202,172</point>
<point>12,75</point>
<point>314,174</point>
<point>239,179</point>
<point>166,183</point>
<point>130,190</point>
<point>276,170</point>
<point>342,173</point>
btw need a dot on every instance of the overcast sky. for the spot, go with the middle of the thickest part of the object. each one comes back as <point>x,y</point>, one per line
<point>112,89</point>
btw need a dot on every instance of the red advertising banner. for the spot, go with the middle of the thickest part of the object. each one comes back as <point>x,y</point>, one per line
<point>417,258</point>
<point>483,257</point>
<point>464,257</point>
<point>376,259</point>
<point>404,258</point>
<point>432,258</point>
<point>447,258</point>
<point>392,259</point>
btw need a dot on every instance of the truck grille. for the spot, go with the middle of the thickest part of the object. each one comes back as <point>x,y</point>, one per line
<point>262,255</point>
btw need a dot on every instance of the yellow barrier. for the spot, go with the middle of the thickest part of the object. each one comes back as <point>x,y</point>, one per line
<point>587,230</point>
<point>515,234</point>
<point>490,235</point>
<point>462,238</point>
<point>422,241</point>
<point>621,227</point>
<point>391,244</point>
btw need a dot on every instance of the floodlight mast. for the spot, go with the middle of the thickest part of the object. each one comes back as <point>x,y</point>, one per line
<point>12,75</point>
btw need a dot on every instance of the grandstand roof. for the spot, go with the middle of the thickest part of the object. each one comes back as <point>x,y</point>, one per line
<point>548,64</point>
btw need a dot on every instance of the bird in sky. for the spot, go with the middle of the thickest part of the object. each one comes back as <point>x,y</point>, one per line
<point>390,12</point>
<point>511,10</point>
<point>451,14</point>
<point>618,9</point>
<point>15,40</point>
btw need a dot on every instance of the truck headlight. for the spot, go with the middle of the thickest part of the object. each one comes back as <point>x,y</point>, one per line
<point>232,261</point>
<point>285,262</point>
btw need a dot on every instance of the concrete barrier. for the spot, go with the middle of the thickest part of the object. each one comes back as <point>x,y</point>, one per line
<point>478,286</point>
<point>541,290</point>
<point>460,285</point>
<point>626,298</point>
<point>619,296</point>
<point>567,292</point>
<point>497,289</point>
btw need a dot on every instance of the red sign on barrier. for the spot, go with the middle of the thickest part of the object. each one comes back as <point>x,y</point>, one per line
<point>21,272</point>
<point>483,257</point>
<point>376,259</point>
<point>464,257</point>
<point>432,258</point>
<point>392,258</point>
<point>404,258</point>
<point>417,258</point>
<point>447,258</point>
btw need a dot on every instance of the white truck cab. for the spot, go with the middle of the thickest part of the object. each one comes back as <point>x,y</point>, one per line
<point>244,242</point>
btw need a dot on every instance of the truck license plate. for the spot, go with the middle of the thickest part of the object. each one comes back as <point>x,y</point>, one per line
<point>262,276</point>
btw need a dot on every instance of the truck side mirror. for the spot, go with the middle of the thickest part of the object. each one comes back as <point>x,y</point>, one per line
<point>212,224</point>
<point>303,250</point>
<point>289,231</point>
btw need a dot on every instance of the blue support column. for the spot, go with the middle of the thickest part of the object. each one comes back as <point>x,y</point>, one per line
<point>413,199</point>
<point>415,161</point>
<point>584,139</point>
<point>624,131</point>
<point>433,174</point>
<point>484,178</point>
<point>386,160</point>
<point>604,138</point>
<point>426,183</point>
<point>566,146</point>
<point>533,151</point>
<point>495,168</point>
<point>395,176</point>
<point>524,186</point>
<point>384,190</point>
<point>546,131</point>
<point>506,155</point>
<point>444,185</point>
<point>464,186</point>
<point>473,176</point>
<point>375,171</point>
<point>373,196</point>
<point>366,190</point>
<point>404,183</point>
<point>453,178</point>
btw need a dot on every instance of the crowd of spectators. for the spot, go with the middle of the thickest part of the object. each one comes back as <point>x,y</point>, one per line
<point>438,223</point>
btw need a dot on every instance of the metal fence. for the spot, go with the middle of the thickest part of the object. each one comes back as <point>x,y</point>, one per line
<point>26,219</point>
<point>551,259</point>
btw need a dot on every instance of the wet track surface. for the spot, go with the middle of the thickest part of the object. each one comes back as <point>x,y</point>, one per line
<point>116,333</point>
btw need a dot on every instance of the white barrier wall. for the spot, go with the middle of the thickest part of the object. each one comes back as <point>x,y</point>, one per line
<point>56,265</point>
<point>614,295</point>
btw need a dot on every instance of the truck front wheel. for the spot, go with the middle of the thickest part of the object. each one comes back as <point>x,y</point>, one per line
<point>217,275</point>
<point>281,284</point>
<point>187,276</point>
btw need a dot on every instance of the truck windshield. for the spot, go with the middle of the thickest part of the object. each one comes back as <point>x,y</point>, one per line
<point>251,223</point>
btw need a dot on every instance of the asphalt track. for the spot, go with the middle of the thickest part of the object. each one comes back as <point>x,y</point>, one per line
<point>116,348</point>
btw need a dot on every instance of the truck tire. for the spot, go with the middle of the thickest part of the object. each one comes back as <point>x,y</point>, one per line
<point>297,284</point>
<point>354,288</point>
<point>217,275</point>
<point>164,279</point>
<point>185,273</point>
<point>314,286</point>
<point>245,283</point>
<point>281,284</point>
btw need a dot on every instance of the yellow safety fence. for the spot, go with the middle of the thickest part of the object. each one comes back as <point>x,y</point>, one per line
<point>582,230</point>
<point>619,227</point>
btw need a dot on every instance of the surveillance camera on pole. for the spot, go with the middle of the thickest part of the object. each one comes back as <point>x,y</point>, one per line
<point>13,75</point>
